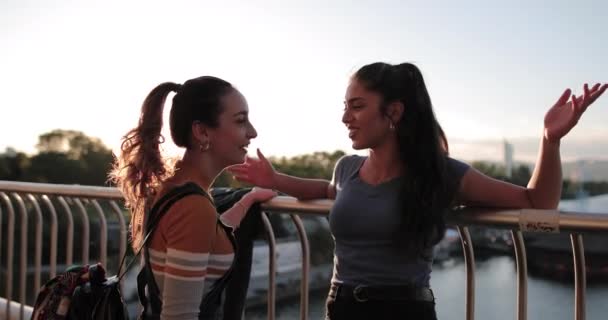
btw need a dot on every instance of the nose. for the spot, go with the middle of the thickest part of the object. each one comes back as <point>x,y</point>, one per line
<point>346,116</point>
<point>251,132</point>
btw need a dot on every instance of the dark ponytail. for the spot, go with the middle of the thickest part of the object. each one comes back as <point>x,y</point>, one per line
<point>140,168</point>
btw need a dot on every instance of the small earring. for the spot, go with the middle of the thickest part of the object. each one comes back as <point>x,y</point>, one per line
<point>204,147</point>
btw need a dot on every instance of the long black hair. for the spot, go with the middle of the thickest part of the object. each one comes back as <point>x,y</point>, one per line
<point>423,149</point>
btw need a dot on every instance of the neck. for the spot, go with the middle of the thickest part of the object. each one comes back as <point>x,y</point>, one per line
<point>197,167</point>
<point>384,161</point>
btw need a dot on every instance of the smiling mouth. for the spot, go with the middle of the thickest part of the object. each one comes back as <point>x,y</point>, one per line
<point>351,132</point>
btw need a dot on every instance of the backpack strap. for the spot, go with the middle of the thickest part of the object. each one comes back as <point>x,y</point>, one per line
<point>145,278</point>
<point>212,300</point>
<point>156,213</point>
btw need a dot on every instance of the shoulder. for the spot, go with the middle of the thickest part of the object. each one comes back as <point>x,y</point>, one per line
<point>455,172</point>
<point>456,168</point>
<point>349,162</point>
<point>190,224</point>
<point>346,166</point>
<point>192,210</point>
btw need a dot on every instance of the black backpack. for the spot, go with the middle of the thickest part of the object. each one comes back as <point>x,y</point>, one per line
<point>84,292</point>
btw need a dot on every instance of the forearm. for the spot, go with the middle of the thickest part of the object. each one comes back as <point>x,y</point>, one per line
<point>545,186</point>
<point>233,216</point>
<point>303,189</point>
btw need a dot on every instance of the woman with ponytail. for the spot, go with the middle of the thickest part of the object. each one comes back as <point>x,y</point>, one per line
<point>390,206</point>
<point>190,248</point>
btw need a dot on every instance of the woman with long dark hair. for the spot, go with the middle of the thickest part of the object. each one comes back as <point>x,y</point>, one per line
<point>390,206</point>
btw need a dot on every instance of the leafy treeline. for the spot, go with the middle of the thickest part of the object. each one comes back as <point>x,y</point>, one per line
<point>71,157</point>
<point>64,156</point>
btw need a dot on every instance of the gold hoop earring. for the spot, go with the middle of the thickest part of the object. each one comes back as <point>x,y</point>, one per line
<point>204,147</point>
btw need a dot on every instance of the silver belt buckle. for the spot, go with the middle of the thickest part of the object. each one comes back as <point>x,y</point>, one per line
<point>359,293</point>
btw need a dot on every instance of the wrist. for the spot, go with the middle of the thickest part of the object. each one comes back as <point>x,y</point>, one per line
<point>247,200</point>
<point>234,217</point>
<point>551,142</point>
<point>241,206</point>
<point>275,181</point>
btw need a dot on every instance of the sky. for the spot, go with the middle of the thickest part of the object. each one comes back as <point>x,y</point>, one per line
<point>492,69</point>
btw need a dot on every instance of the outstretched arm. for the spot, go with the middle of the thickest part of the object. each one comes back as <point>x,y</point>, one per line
<point>260,172</point>
<point>545,185</point>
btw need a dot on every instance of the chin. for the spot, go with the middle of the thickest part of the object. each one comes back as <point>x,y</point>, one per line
<point>358,146</point>
<point>240,158</point>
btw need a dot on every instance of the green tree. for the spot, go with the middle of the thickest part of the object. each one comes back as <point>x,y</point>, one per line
<point>316,165</point>
<point>520,175</point>
<point>490,169</point>
<point>596,187</point>
<point>67,156</point>
<point>54,167</point>
<point>13,165</point>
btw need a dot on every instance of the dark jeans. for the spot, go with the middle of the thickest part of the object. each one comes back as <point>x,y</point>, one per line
<point>341,308</point>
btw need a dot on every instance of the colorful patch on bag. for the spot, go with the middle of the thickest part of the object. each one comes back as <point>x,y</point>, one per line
<point>53,300</point>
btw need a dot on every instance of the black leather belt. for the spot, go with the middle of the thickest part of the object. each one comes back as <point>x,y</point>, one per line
<point>363,293</point>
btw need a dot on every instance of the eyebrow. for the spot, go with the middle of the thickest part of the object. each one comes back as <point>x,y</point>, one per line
<point>355,99</point>
<point>244,113</point>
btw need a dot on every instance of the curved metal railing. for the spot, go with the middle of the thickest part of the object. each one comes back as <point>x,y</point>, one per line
<point>44,214</point>
<point>92,205</point>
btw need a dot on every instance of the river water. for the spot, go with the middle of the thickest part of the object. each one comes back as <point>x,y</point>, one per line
<point>495,292</point>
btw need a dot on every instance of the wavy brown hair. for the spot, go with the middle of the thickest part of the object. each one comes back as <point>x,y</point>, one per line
<point>140,168</point>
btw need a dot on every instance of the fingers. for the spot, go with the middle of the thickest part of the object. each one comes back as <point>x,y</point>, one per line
<point>243,178</point>
<point>580,104</point>
<point>239,166</point>
<point>238,171</point>
<point>251,160</point>
<point>263,194</point>
<point>266,194</point>
<point>595,93</point>
<point>240,174</point>
<point>577,104</point>
<point>602,89</point>
<point>261,155</point>
<point>564,98</point>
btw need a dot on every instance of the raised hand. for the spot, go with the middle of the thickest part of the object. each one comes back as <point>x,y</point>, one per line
<point>258,171</point>
<point>564,114</point>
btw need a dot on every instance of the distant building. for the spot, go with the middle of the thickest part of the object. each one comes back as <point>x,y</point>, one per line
<point>508,153</point>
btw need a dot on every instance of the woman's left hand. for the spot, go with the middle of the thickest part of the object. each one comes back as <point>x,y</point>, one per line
<point>261,194</point>
<point>564,115</point>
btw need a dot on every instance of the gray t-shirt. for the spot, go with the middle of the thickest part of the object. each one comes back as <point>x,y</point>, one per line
<point>364,220</point>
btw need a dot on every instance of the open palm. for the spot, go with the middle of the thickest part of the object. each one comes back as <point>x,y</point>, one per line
<point>564,114</point>
<point>258,172</point>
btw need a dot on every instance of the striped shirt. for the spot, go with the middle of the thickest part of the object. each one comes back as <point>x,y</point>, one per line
<point>189,251</point>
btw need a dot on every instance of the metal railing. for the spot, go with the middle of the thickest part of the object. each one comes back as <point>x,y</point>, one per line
<point>83,204</point>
